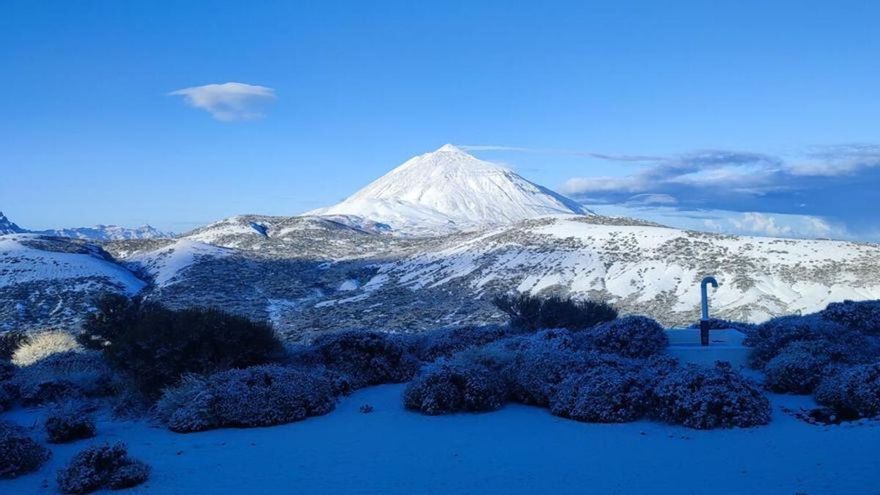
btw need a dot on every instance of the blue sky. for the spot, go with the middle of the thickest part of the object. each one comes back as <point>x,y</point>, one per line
<point>735,116</point>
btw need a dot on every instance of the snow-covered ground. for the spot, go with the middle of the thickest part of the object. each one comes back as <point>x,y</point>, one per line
<point>518,449</point>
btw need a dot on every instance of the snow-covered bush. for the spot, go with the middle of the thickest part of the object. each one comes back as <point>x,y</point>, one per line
<point>257,396</point>
<point>63,376</point>
<point>852,391</point>
<point>603,394</point>
<point>538,369</point>
<point>102,467</point>
<point>10,342</point>
<point>43,345</point>
<point>532,312</point>
<point>68,422</point>
<point>706,398</point>
<point>861,316</point>
<point>448,341</point>
<point>19,453</point>
<point>769,338</point>
<point>160,345</point>
<point>797,368</point>
<point>446,388</point>
<point>630,336</point>
<point>368,358</point>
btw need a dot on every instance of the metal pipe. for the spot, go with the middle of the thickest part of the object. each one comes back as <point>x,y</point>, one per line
<point>704,321</point>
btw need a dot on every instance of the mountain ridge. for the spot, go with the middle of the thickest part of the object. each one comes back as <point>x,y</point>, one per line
<point>96,233</point>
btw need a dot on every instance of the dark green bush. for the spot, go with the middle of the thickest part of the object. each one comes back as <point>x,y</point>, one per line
<point>10,342</point>
<point>155,346</point>
<point>113,315</point>
<point>532,313</point>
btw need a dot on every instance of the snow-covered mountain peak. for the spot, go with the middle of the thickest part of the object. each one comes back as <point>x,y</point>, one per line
<point>448,190</point>
<point>449,148</point>
<point>7,227</point>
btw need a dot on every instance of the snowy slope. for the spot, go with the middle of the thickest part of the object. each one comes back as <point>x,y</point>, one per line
<point>450,190</point>
<point>166,263</point>
<point>647,269</point>
<point>30,258</point>
<point>52,282</point>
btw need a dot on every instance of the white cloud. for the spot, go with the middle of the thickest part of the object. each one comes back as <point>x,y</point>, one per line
<point>230,101</point>
<point>730,222</point>
<point>652,199</point>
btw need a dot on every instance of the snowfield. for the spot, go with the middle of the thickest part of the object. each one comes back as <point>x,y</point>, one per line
<point>518,449</point>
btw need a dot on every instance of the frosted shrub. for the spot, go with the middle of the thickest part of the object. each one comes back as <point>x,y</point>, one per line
<point>43,345</point>
<point>603,394</point>
<point>448,341</point>
<point>532,312</point>
<point>861,316</point>
<point>368,358</point>
<point>769,338</point>
<point>797,368</point>
<point>19,454</point>
<point>69,422</point>
<point>706,398</point>
<point>63,376</point>
<point>257,396</point>
<point>447,388</point>
<point>631,336</point>
<point>852,391</point>
<point>536,373</point>
<point>102,467</point>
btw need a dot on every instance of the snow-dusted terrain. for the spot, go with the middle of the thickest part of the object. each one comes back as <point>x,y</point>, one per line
<point>47,281</point>
<point>517,450</point>
<point>449,190</point>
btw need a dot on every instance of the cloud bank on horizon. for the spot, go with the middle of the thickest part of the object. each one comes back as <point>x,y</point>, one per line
<point>819,192</point>
<point>228,102</point>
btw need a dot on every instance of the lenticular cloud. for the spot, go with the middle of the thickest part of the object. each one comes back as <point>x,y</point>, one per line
<point>230,101</point>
